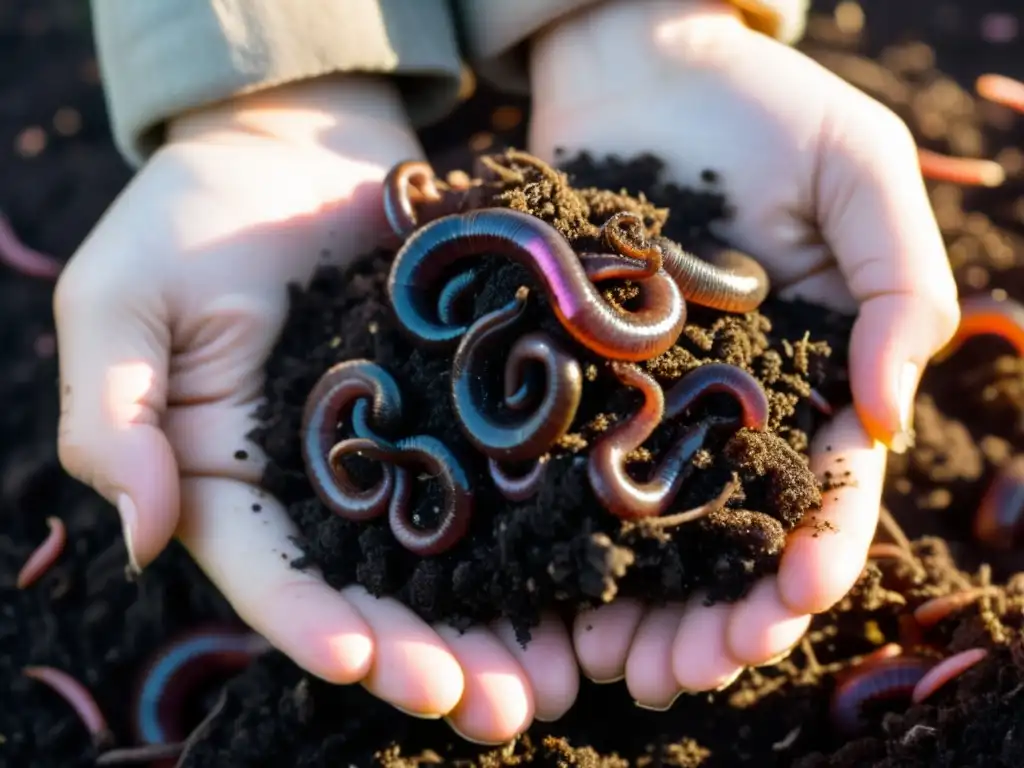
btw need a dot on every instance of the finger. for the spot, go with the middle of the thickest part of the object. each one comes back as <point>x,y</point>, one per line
<point>826,553</point>
<point>602,637</point>
<point>249,556</point>
<point>209,439</point>
<point>649,665</point>
<point>413,669</point>
<point>700,660</point>
<point>549,663</point>
<point>876,216</point>
<point>497,703</point>
<point>761,627</point>
<point>113,368</point>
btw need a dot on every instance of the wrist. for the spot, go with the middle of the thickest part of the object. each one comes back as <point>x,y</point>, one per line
<point>352,116</point>
<point>613,47</point>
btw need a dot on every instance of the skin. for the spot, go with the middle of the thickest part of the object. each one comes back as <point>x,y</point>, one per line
<point>406,184</point>
<point>998,519</point>
<point>45,555</point>
<point>830,201</point>
<point>159,377</point>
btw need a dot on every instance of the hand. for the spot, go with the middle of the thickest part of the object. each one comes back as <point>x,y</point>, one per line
<point>829,197</point>
<point>165,318</point>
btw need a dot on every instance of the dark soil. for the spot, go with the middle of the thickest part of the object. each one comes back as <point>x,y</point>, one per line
<point>562,545</point>
<point>85,618</point>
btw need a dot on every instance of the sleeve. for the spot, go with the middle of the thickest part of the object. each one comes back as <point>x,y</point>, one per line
<point>495,30</point>
<point>160,58</point>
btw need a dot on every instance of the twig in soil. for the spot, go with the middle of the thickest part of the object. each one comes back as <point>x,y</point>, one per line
<point>45,555</point>
<point>144,754</point>
<point>946,670</point>
<point>888,524</point>
<point>78,696</point>
<point>20,257</point>
<point>200,730</point>
<point>681,518</point>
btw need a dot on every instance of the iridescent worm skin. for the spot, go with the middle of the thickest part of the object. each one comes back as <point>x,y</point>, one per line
<point>999,519</point>
<point>182,666</point>
<point>874,681</point>
<point>348,384</point>
<point>432,250</point>
<point>984,315</point>
<point>530,436</point>
<point>407,183</point>
<point>725,279</point>
<point>441,465</point>
<point>606,467</point>
<point>725,378</point>
<point>518,487</point>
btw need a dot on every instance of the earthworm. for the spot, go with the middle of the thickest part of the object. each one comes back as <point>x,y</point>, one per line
<point>453,292</point>
<point>1001,90</point>
<point>536,245</point>
<point>886,678</point>
<point>987,314</point>
<point>606,467</point>
<point>441,465</point>
<point>346,384</point>
<point>78,696</point>
<point>404,182</point>
<point>725,279</point>
<point>640,248</point>
<point>999,519</point>
<point>518,487</point>
<point>45,554</point>
<point>946,670</point>
<point>528,437</point>
<point>179,668</point>
<point>725,378</point>
<point>931,612</point>
<point>967,171</point>
<point>20,257</point>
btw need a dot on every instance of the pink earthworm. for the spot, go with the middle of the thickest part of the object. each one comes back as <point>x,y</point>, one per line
<point>1001,90</point>
<point>20,257</point>
<point>968,171</point>
<point>931,612</point>
<point>945,671</point>
<point>75,694</point>
<point>45,554</point>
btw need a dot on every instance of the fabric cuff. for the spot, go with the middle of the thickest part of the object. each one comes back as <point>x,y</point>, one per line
<point>496,30</point>
<point>160,58</point>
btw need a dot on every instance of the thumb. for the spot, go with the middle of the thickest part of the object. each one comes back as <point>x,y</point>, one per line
<point>113,368</point>
<point>876,217</point>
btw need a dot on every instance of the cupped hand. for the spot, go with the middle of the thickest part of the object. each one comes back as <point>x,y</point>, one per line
<point>165,318</point>
<point>828,195</point>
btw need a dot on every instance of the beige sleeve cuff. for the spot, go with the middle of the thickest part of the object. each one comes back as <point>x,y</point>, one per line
<point>496,30</point>
<point>160,58</point>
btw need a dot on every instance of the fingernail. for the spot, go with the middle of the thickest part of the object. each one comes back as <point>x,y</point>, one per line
<point>417,715</point>
<point>129,521</point>
<point>607,681</point>
<point>903,440</point>
<point>463,736</point>
<point>729,680</point>
<point>660,707</point>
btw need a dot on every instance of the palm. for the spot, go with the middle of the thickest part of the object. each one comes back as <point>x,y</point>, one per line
<point>802,194</point>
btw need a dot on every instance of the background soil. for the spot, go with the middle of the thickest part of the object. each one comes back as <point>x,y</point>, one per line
<point>60,172</point>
